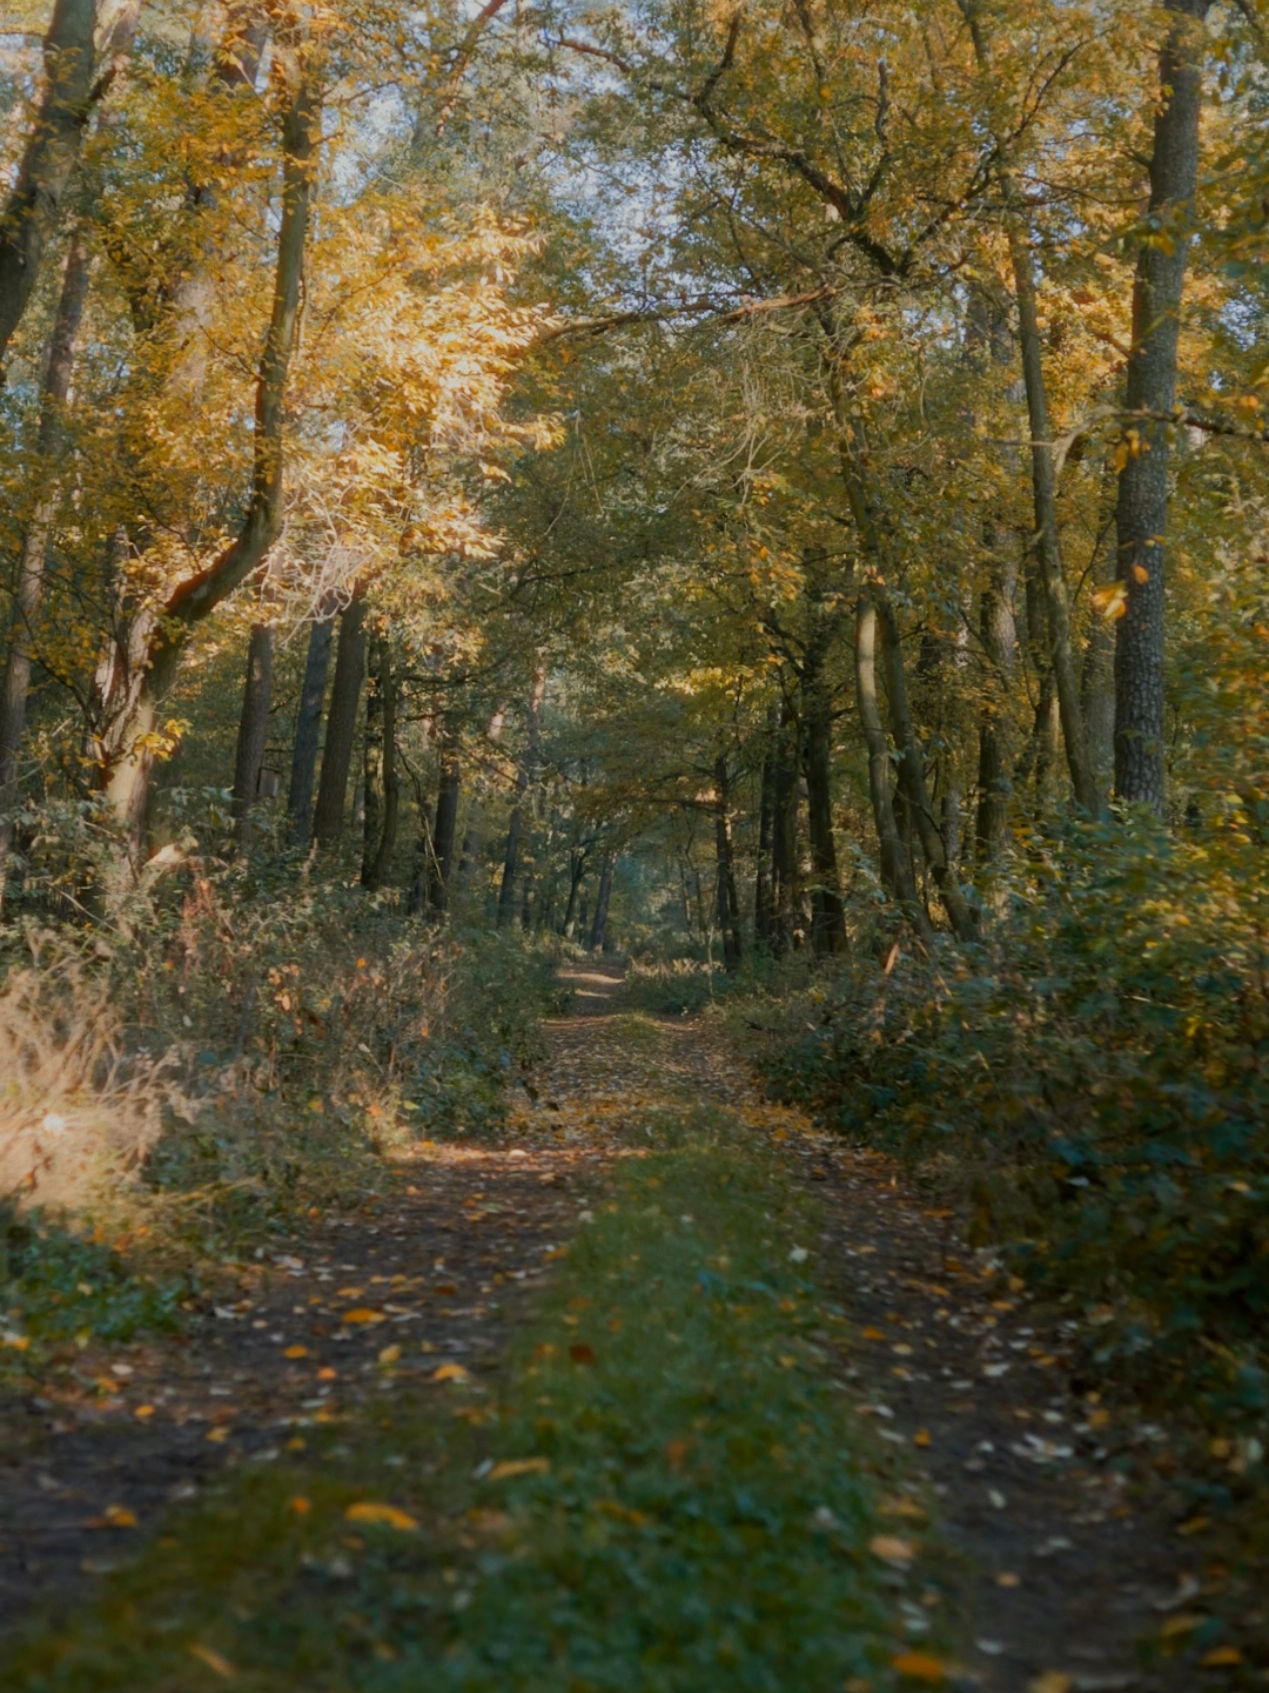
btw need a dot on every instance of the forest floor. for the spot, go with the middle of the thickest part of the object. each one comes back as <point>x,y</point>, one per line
<point>342,1471</point>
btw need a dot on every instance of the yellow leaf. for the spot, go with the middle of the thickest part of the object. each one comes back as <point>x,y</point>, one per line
<point>1183,1624</point>
<point>363,1314</point>
<point>300,1505</point>
<point>19,1342</point>
<point>891,1549</point>
<point>218,1434</point>
<point>920,1666</point>
<point>389,1354</point>
<point>1052,1681</point>
<point>370,1512</point>
<point>296,1352</point>
<point>518,1466</point>
<point>119,1516</point>
<point>1221,1657</point>
<point>450,1372</point>
<point>921,1437</point>
<point>144,1411</point>
<point>213,1660</point>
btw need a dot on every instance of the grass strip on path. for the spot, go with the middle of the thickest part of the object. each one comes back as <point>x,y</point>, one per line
<point>668,1494</point>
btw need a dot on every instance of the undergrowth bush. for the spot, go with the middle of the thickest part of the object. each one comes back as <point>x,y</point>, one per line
<point>234,1047</point>
<point>1092,1085</point>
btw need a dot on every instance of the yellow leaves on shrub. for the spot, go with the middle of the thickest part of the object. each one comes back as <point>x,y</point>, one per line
<point>388,1516</point>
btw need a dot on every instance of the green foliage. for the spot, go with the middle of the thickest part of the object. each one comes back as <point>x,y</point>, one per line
<point>56,1285</point>
<point>1094,1084</point>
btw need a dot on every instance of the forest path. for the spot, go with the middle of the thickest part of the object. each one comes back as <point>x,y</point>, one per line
<point>1044,1568</point>
<point>1071,1567</point>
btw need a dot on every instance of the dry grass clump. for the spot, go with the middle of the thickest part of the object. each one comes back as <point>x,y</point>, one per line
<point>79,1112</point>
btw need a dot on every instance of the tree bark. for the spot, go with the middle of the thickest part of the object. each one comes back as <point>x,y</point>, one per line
<point>960,914</point>
<point>49,447</point>
<point>576,871</point>
<point>372,758</point>
<point>34,207</point>
<point>603,898</point>
<point>1047,538</point>
<point>785,884</point>
<point>763,905</point>
<point>137,675</point>
<point>525,778</point>
<point>828,918</point>
<point>728,903</point>
<point>444,832</point>
<point>390,690</point>
<point>1142,510</point>
<point>308,725</point>
<point>341,721</point>
<point>253,731</point>
<point>896,868</point>
<point>1000,645</point>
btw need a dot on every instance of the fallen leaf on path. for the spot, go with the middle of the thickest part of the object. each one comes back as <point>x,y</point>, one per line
<point>1052,1681</point>
<point>509,1467</point>
<point>1007,1578</point>
<point>144,1411</point>
<point>891,1549</point>
<point>920,1666</point>
<point>389,1354</point>
<point>296,1352</point>
<point>370,1511</point>
<point>1186,1623</point>
<point>875,1334</point>
<point>1195,1525</point>
<point>218,1434</point>
<point>921,1437</point>
<point>363,1314</point>
<point>214,1661</point>
<point>449,1372</point>
<point>1221,1657</point>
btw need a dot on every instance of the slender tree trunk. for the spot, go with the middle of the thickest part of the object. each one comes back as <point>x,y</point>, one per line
<point>828,918</point>
<point>577,869</point>
<point>341,721</point>
<point>960,913</point>
<point>138,673</point>
<point>50,444</point>
<point>524,782</point>
<point>389,688</point>
<point>603,898</point>
<point>784,834</point>
<point>372,752</point>
<point>34,208</point>
<point>728,903</point>
<point>1048,539</point>
<point>1142,512</point>
<point>1000,645</point>
<point>308,725</point>
<point>896,868</point>
<point>763,904</point>
<point>444,832</point>
<point>253,731</point>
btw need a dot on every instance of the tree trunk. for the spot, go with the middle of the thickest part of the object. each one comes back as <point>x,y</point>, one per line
<point>603,898</point>
<point>50,443</point>
<point>828,918</point>
<point>253,731</point>
<point>1000,646</point>
<point>1047,537</point>
<point>372,756</point>
<point>341,721</point>
<point>577,869</point>
<point>728,903</point>
<point>960,914</point>
<point>524,782</point>
<point>1142,511</point>
<point>308,725</point>
<point>444,833</point>
<point>784,834</point>
<point>763,905</point>
<point>896,868</point>
<point>389,688</point>
<point>137,675</point>
<point>33,210</point>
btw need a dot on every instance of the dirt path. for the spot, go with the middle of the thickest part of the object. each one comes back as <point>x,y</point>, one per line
<point>1061,1562</point>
